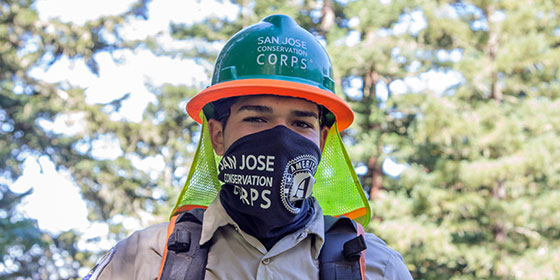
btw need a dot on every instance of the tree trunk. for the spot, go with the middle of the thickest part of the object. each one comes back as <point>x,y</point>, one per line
<point>376,177</point>
<point>327,21</point>
<point>498,228</point>
<point>492,49</point>
<point>370,79</point>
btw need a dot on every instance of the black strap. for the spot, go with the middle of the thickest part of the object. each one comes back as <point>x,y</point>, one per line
<point>186,259</point>
<point>353,248</point>
<point>341,252</point>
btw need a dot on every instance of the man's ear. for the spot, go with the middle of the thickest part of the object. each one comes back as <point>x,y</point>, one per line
<point>324,132</point>
<point>216,136</point>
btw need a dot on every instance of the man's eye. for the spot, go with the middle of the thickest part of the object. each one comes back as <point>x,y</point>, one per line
<point>303,124</point>
<point>254,119</point>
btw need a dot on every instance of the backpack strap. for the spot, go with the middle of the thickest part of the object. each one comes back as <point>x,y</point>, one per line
<point>343,253</point>
<point>183,257</point>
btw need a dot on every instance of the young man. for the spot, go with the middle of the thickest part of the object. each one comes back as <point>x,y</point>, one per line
<point>272,116</point>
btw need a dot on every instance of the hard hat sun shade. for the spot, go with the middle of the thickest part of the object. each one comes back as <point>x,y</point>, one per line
<point>274,56</point>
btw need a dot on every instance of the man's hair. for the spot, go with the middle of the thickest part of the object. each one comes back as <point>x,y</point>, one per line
<point>222,110</point>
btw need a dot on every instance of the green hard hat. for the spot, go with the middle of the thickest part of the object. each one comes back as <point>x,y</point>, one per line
<point>275,56</point>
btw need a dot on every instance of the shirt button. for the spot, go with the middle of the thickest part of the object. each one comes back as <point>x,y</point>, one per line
<point>302,235</point>
<point>266,261</point>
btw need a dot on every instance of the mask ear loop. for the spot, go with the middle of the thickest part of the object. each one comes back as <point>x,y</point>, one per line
<point>337,187</point>
<point>202,185</point>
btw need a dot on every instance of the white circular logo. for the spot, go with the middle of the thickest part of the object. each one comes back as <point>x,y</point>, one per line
<point>297,182</point>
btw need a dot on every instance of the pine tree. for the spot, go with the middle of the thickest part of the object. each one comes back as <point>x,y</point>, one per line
<point>477,199</point>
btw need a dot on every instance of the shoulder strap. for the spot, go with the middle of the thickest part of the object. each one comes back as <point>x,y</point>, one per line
<point>343,253</point>
<point>184,258</point>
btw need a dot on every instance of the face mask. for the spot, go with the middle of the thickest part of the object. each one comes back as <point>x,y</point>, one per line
<point>268,180</point>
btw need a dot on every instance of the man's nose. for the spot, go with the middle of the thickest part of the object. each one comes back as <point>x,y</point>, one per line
<point>281,121</point>
<point>278,122</point>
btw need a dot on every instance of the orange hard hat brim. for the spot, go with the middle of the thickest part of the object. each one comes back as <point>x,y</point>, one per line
<point>342,112</point>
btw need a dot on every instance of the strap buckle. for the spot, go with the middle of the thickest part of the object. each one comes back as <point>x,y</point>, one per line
<point>353,248</point>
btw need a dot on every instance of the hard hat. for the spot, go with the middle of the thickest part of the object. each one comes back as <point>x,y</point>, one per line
<point>275,56</point>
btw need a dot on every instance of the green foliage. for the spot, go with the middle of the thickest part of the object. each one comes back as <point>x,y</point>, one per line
<point>21,241</point>
<point>481,155</point>
<point>25,103</point>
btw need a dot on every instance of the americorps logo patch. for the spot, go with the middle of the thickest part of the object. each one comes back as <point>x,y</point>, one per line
<point>297,181</point>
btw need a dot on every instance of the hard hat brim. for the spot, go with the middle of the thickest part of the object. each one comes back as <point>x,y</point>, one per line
<point>341,110</point>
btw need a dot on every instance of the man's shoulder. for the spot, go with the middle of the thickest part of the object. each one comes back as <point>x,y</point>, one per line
<point>377,244</point>
<point>382,261</point>
<point>152,231</point>
<point>149,238</point>
<point>136,257</point>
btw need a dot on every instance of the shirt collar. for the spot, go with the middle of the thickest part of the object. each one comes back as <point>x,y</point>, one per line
<point>317,227</point>
<point>216,216</point>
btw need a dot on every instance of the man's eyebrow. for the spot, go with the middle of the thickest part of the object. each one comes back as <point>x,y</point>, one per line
<point>255,108</point>
<point>299,113</point>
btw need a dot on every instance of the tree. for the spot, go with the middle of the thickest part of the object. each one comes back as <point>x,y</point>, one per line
<point>25,43</point>
<point>476,200</point>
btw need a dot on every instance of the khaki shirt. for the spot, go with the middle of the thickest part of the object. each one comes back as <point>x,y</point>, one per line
<point>238,255</point>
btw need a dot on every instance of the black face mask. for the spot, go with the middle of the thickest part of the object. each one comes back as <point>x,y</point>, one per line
<point>268,180</point>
